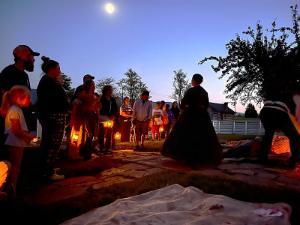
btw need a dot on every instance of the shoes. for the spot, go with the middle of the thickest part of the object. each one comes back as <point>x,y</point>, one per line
<point>137,147</point>
<point>56,177</point>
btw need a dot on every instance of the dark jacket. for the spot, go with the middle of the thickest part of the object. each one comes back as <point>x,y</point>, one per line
<point>52,97</point>
<point>109,107</point>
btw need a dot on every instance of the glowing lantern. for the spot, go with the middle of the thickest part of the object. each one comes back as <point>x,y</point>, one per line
<point>76,139</point>
<point>118,136</point>
<point>161,129</point>
<point>280,145</point>
<point>4,169</point>
<point>108,124</point>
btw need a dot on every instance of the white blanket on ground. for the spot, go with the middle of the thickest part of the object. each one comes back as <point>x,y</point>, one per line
<point>176,205</point>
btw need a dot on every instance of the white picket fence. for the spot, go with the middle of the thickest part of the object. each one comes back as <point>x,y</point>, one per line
<point>244,127</point>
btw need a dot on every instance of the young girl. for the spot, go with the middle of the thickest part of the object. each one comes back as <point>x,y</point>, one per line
<point>157,121</point>
<point>17,134</point>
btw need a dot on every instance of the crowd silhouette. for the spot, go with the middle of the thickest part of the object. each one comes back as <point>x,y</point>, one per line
<point>92,123</point>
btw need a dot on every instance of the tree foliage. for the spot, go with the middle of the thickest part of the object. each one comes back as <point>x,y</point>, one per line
<point>106,81</point>
<point>261,63</point>
<point>180,85</point>
<point>132,84</point>
<point>250,111</point>
<point>67,82</point>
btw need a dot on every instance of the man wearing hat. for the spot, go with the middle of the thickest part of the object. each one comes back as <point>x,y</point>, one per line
<point>15,75</point>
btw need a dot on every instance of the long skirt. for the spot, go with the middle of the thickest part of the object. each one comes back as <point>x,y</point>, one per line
<point>193,140</point>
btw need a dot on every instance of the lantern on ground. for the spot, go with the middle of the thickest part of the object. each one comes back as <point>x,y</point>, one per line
<point>118,136</point>
<point>4,172</point>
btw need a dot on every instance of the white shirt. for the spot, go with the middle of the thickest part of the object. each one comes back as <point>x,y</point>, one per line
<point>142,111</point>
<point>15,113</point>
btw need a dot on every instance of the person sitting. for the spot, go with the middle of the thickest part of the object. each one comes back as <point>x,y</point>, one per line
<point>193,139</point>
<point>53,106</point>
<point>109,114</point>
<point>157,121</point>
<point>126,112</point>
<point>142,114</point>
<point>17,135</point>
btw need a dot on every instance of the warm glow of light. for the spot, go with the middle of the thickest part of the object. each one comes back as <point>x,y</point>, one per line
<point>108,124</point>
<point>118,136</point>
<point>35,140</point>
<point>109,8</point>
<point>75,137</point>
<point>280,145</point>
<point>3,173</point>
<point>161,129</point>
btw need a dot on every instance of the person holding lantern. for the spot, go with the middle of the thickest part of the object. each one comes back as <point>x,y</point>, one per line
<point>126,112</point>
<point>157,121</point>
<point>84,121</point>
<point>193,139</point>
<point>53,106</point>
<point>109,114</point>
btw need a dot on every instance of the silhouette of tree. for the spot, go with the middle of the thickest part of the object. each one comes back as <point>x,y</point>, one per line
<point>261,63</point>
<point>180,85</point>
<point>67,83</point>
<point>106,81</point>
<point>132,85</point>
<point>251,111</point>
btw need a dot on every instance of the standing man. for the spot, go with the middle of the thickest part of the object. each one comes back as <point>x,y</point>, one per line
<point>142,114</point>
<point>15,75</point>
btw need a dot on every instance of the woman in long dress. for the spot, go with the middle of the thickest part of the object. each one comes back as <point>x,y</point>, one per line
<point>193,138</point>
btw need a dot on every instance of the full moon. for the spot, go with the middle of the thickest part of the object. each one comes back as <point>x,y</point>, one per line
<point>109,8</point>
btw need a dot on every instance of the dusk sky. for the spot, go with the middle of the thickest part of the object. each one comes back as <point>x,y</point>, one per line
<point>153,37</point>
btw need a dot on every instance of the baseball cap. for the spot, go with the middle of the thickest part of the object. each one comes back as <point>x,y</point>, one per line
<point>24,49</point>
<point>88,77</point>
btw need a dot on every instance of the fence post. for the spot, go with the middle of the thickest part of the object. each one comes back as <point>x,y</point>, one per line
<point>246,127</point>
<point>233,127</point>
<point>219,126</point>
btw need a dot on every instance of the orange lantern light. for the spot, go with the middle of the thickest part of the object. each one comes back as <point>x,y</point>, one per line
<point>108,124</point>
<point>118,136</point>
<point>76,139</point>
<point>161,129</point>
<point>4,169</point>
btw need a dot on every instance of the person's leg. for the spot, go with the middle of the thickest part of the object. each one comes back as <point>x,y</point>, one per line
<point>15,158</point>
<point>145,127</point>
<point>138,134</point>
<point>269,123</point>
<point>101,136</point>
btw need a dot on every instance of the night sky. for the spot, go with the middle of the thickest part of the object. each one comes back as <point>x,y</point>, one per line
<point>154,37</point>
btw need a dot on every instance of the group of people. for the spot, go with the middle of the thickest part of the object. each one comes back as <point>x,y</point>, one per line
<point>90,121</point>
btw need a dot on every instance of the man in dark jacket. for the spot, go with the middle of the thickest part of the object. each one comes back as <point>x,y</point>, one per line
<point>15,75</point>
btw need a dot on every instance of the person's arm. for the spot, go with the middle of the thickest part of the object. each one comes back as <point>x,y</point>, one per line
<point>149,111</point>
<point>17,131</point>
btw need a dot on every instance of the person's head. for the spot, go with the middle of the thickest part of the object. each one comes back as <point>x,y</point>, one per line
<point>175,104</point>
<point>50,67</point>
<point>89,87</point>
<point>167,107</point>
<point>107,91</point>
<point>126,101</point>
<point>145,95</point>
<point>197,80</point>
<point>158,105</point>
<point>17,95</point>
<point>88,78</point>
<point>162,104</point>
<point>24,55</point>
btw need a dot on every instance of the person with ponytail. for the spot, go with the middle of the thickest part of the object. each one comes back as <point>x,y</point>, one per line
<point>16,130</point>
<point>53,107</point>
